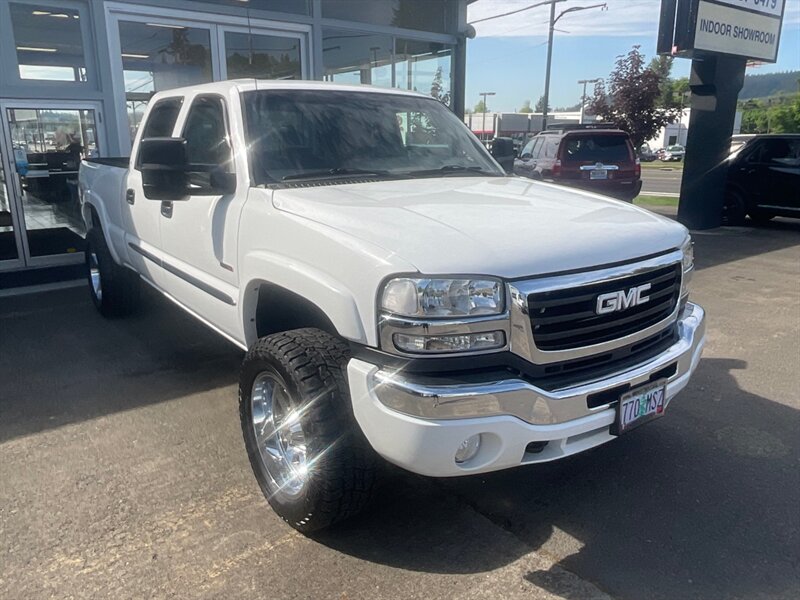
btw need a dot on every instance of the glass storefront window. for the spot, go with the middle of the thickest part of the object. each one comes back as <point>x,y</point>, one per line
<point>48,41</point>
<point>296,7</point>
<point>352,57</point>
<point>262,56</point>
<point>423,67</point>
<point>160,56</point>
<point>423,15</point>
<point>8,242</point>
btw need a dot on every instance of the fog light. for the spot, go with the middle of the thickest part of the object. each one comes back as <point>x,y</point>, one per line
<point>468,449</point>
<point>442,344</point>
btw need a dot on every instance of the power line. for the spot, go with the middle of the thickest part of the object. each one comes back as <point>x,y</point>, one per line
<point>519,10</point>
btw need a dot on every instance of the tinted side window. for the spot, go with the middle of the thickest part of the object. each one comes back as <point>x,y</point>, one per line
<point>551,148</point>
<point>206,133</point>
<point>162,118</point>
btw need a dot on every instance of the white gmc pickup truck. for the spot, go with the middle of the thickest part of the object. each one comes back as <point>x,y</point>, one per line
<point>398,295</point>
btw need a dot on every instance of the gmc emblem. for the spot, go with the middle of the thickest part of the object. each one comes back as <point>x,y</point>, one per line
<point>622,300</point>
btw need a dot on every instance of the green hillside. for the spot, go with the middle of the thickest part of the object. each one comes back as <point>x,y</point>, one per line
<point>770,84</point>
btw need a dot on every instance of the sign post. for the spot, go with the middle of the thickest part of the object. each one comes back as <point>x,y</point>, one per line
<point>720,36</point>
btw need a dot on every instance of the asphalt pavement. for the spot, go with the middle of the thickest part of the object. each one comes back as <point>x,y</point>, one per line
<point>665,179</point>
<point>124,475</point>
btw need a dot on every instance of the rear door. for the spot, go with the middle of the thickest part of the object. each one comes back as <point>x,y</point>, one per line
<point>781,162</point>
<point>199,235</point>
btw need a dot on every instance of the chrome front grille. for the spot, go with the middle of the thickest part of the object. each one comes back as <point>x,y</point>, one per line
<point>565,319</point>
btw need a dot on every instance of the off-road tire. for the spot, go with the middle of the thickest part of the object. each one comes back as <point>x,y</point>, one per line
<point>120,286</point>
<point>313,364</point>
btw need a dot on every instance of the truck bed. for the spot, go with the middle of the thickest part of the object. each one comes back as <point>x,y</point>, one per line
<point>111,161</point>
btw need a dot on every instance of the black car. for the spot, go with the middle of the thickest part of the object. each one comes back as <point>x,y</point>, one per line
<point>763,179</point>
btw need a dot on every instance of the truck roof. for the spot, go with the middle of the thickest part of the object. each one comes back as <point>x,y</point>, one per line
<point>247,85</point>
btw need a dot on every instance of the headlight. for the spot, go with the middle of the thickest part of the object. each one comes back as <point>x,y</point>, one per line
<point>688,266</point>
<point>443,298</point>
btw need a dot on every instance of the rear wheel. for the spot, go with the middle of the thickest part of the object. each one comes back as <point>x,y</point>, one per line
<point>114,289</point>
<point>307,452</point>
<point>735,209</point>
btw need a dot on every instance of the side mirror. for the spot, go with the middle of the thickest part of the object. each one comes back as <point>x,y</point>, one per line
<point>526,156</point>
<point>162,162</point>
<point>503,152</point>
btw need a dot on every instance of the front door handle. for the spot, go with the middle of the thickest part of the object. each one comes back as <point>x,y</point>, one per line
<point>166,209</point>
<point>130,196</point>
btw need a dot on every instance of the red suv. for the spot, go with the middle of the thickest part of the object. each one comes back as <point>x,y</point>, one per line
<point>598,160</point>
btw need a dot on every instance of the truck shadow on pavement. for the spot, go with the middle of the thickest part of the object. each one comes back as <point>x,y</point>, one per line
<point>701,504</point>
<point>62,363</point>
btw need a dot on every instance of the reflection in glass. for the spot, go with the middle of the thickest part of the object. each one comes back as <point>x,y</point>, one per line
<point>297,7</point>
<point>48,42</point>
<point>48,147</point>
<point>262,56</point>
<point>8,244</point>
<point>423,67</point>
<point>423,15</point>
<point>158,56</point>
<point>352,57</point>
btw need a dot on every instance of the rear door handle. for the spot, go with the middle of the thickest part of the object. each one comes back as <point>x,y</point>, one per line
<point>130,196</point>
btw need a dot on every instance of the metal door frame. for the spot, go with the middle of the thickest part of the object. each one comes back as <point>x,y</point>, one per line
<point>25,260</point>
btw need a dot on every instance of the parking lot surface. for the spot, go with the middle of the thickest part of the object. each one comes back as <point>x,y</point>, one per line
<point>664,179</point>
<point>124,475</point>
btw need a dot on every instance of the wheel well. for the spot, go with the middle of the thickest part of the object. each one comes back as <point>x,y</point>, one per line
<point>279,310</point>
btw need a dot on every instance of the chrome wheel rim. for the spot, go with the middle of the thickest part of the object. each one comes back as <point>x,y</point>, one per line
<point>94,276</point>
<point>279,435</point>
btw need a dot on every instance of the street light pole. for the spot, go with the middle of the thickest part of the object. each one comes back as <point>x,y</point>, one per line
<point>553,20</point>
<point>485,94</point>
<point>549,62</point>
<point>583,98</point>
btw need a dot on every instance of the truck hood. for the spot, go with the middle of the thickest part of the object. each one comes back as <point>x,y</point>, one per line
<point>504,226</point>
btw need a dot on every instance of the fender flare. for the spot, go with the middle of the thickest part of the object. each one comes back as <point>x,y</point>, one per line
<point>328,295</point>
<point>95,214</point>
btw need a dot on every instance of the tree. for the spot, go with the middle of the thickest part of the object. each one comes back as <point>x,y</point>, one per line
<point>526,107</point>
<point>438,90</point>
<point>540,105</point>
<point>629,100</point>
<point>480,107</point>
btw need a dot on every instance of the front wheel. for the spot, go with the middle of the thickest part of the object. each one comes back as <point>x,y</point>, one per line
<point>734,209</point>
<point>307,452</point>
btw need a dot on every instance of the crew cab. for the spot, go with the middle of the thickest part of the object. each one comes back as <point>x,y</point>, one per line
<point>590,157</point>
<point>398,296</point>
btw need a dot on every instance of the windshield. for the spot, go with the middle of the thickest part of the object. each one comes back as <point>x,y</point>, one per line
<point>320,134</point>
<point>597,148</point>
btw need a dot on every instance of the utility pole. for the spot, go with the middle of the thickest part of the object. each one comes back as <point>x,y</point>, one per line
<point>583,98</point>
<point>553,20</point>
<point>485,108</point>
<point>549,62</point>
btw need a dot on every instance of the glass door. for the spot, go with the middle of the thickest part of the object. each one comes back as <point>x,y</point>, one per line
<point>10,243</point>
<point>47,142</point>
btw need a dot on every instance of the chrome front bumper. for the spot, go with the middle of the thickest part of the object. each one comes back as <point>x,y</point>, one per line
<point>420,427</point>
<point>519,398</point>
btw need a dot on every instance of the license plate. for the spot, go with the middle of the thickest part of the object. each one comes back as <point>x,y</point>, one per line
<point>598,174</point>
<point>639,406</point>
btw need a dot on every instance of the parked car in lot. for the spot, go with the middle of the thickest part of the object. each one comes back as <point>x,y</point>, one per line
<point>599,160</point>
<point>646,154</point>
<point>764,179</point>
<point>398,295</point>
<point>672,154</point>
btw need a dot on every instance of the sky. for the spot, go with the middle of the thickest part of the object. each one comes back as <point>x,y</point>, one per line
<point>509,54</point>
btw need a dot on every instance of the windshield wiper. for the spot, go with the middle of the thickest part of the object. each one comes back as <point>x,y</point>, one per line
<point>458,169</point>
<point>335,172</point>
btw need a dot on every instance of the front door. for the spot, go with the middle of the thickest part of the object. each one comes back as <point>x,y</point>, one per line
<point>42,144</point>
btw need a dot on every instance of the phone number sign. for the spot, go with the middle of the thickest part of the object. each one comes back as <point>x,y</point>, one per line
<point>745,28</point>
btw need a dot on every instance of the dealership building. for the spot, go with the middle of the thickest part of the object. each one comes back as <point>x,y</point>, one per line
<point>76,76</point>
